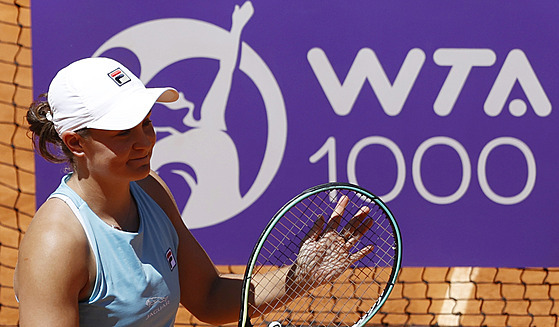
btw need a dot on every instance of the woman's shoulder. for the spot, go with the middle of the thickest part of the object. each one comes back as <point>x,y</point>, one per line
<point>54,251</point>
<point>54,228</point>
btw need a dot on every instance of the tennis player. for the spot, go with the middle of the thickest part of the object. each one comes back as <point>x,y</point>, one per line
<point>109,247</point>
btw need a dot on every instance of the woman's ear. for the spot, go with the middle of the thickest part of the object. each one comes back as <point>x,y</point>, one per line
<point>74,143</point>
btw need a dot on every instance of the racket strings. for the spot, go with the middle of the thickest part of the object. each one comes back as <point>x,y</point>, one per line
<point>332,307</point>
<point>338,302</point>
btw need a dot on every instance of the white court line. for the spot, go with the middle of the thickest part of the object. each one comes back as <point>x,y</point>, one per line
<point>464,276</point>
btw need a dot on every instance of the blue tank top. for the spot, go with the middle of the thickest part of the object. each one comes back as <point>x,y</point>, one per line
<point>137,282</point>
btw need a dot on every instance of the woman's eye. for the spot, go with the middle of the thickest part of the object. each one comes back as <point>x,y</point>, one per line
<point>147,122</point>
<point>123,133</point>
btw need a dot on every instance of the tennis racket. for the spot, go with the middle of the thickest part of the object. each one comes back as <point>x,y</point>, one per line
<point>329,257</point>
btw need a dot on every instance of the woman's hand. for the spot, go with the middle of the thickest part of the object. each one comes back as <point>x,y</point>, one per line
<point>325,253</point>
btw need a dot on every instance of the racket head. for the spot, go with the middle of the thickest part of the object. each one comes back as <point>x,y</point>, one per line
<point>354,297</point>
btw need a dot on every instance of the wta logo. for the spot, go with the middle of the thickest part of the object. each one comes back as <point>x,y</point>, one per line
<point>392,96</point>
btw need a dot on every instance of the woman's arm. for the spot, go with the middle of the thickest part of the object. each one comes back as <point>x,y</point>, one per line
<point>52,271</point>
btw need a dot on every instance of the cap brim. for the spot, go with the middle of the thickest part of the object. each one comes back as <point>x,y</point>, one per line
<point>169,95</point>
<point>131,110</point>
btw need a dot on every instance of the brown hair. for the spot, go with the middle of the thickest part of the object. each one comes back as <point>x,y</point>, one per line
<point>46,140</point>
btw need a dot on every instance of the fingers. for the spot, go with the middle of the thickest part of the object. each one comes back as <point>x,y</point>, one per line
<point>337,214</point>
<point>361,253</point>
<point>358,225</point>
<point>354,230</point>
<point>364,228</point>
<point>316,229</point>
<point>351,233</point>
<point>340,207</point>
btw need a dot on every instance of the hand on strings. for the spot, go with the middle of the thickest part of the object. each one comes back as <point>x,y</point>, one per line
<point>326,253</point>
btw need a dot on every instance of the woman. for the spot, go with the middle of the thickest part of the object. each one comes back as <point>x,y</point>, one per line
<point>109,247</point>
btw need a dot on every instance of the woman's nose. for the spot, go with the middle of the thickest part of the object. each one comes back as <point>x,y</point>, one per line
<point>145,137</point>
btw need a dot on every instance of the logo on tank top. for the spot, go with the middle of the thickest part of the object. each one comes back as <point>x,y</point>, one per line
<point>158,302</point>
<point>171,259</point>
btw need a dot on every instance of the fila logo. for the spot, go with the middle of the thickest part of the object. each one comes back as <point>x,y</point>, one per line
<point>119,77</point>
<point>171,259</point>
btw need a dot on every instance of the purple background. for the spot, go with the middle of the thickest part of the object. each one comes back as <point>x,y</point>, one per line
<point>474,231</point>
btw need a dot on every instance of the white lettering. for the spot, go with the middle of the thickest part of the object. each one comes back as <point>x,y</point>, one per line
<point>466,170</point>
<point>366,66</point>
<point>517,68</point>
<point>329,147</point>
<point>461,61</point>
<point>400,163</point>
<point>392,97</point>
<point>162,304</point>
<point>482,176</point>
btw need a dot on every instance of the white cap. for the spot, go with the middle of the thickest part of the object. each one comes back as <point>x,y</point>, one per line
<point>101,93</point>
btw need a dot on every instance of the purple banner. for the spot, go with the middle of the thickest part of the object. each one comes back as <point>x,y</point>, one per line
<point>443,109</point>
